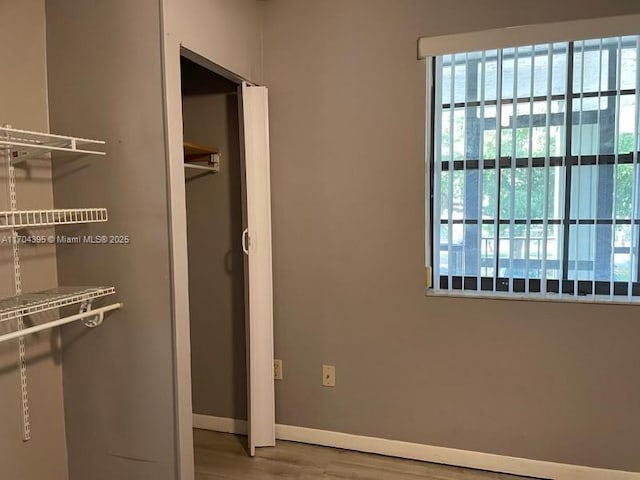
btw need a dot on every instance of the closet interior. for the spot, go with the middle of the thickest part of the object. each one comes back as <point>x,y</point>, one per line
<point>214,204</point>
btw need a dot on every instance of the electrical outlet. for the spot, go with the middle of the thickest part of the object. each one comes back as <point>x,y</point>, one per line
<point>277,369</point>
<point>328,375</point>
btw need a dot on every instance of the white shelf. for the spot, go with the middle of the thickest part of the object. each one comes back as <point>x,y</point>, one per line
<point>27,304</point>
<point>44,218</point>
<point>25,144</point>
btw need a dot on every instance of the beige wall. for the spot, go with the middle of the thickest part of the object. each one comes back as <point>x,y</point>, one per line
<point>216,260</point>
<point>23,103</point>
<point>543,381</point>
<point>105,81</point>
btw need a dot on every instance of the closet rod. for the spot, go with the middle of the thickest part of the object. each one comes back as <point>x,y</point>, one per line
<point>62,321</point>
<point>200,167</point>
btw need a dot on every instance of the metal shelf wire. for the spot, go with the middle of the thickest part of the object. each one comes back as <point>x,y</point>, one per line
<point>25,144</point>
<point>44,218</point>
<point>16,146</point>
<point>12,308</point>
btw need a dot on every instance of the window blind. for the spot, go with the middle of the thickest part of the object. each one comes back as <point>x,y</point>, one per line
<point>535,175</point>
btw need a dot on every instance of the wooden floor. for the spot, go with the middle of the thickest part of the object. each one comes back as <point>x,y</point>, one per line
<point>221,456</point>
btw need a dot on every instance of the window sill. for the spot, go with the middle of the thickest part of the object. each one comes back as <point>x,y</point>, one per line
<point>535,297</point>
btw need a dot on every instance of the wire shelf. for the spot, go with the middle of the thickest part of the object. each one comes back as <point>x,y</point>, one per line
<point>30,303</point>
<point>25,144</point>
<point>43,218</point>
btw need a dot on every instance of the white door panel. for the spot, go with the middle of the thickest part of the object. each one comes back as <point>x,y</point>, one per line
<point>259,284</point>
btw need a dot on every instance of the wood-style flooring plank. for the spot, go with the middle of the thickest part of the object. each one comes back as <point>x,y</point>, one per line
<point>221,456</point>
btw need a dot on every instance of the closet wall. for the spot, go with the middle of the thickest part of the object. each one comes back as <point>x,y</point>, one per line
<point>216,260</point>
<point>23,103</point>
<point>105,81</point>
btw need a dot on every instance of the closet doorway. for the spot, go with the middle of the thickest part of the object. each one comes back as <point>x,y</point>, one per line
<point>213,193</point>
<point>228,219</point>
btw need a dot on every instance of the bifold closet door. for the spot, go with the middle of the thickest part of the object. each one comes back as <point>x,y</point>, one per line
<point>256,242</point>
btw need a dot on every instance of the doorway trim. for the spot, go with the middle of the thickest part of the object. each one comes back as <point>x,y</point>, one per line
<point>212,67</point>
<point>177,235</point>
<point>176,194</point>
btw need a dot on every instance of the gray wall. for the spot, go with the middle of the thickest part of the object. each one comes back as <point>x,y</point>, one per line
<point>104,62</point>
<point>226,32</point>
<point>23,103</point>
<point>216,261</point>
<point>538,380</point>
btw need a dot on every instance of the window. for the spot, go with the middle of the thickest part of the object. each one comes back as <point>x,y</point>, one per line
<point>535,169</point>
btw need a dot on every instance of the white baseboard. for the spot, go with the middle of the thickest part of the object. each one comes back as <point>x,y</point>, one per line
<point>220,424</point>
<point>426,453</point>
